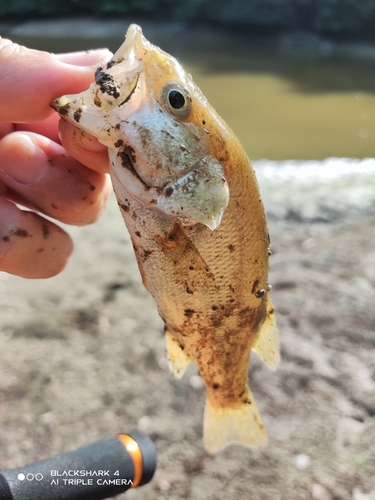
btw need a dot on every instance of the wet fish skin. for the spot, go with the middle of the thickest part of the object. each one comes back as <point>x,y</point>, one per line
<point>191,203</point>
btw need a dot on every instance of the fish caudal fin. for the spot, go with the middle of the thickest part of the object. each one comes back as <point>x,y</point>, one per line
<point>237,425</point>
<point>178,359</point>
<point>267,342</point>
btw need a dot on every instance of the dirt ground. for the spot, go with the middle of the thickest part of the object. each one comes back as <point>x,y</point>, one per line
<point>82,357</point>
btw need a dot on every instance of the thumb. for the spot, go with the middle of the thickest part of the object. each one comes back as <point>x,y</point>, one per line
<point>31,79</point>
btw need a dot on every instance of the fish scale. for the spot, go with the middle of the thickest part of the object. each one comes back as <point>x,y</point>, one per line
<point>191,203</point>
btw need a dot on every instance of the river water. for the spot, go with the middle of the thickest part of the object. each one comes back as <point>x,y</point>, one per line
<point>283,107</point>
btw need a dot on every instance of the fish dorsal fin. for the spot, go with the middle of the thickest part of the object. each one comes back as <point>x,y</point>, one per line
<point>178,359</point>
<point>267,342</point>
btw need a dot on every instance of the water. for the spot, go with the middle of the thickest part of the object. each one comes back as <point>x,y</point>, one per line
<point>317,190</point>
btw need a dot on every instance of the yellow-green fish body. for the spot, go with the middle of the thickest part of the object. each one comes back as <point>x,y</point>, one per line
<point>191,202</point>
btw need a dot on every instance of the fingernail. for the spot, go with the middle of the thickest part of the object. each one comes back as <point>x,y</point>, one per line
<point>29,163</point>
<point>85,58</point>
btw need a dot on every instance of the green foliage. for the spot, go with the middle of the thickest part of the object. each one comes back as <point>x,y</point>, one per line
<point>343,15</point>
<point>255,12</point>
<point>314,15</point>
<point>330,16</point>
<point>168,9</point>
<point>33,7</point>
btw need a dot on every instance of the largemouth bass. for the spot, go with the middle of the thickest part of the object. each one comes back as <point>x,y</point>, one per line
<point>191,203</point>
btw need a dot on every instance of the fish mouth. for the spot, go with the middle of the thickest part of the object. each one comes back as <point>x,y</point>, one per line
<point>130,58</point>
<point>133,49</point>
<point>96,110</point>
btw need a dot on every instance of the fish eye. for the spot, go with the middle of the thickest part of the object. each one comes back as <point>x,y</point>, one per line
<point>176,100</point>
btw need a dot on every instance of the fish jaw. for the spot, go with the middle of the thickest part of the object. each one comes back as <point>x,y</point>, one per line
<point>100,109</point>
<point>119,88</point>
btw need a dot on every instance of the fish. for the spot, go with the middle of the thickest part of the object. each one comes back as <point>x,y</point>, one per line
<point>191,202</point>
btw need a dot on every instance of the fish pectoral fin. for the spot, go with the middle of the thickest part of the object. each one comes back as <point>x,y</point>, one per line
<point>178,359</point>
<point>201,195</point>
<point>234,425</point>
<point>267,342</point>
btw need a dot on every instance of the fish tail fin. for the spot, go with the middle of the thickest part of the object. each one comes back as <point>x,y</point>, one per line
<point>267,342</point>
<point>178,359</point>
<point>233,425</point>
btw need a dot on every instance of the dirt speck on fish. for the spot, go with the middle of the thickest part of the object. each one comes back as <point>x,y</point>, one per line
<point>191,203</point>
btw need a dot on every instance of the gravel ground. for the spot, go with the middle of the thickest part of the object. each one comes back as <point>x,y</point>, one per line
<point>82,357</point>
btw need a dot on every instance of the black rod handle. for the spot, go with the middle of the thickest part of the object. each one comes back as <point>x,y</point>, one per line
<point>95,472</point>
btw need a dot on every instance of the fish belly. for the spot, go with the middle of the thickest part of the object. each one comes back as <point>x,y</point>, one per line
<point>210,288</point>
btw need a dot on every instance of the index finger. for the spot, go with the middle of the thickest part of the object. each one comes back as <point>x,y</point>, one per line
<point>31,79</point>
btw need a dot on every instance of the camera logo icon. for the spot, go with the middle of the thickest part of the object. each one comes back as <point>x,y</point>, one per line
<point>30,477</point>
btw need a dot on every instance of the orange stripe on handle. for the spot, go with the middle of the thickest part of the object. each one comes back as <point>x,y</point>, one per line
<point>135,452</point>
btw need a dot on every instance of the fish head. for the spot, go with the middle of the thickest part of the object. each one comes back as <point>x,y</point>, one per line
<point>164,139</point>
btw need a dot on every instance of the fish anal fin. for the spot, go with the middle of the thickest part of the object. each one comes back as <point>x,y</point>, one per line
<point>233,425</point>
<point>178,359</point>
<point>267,342</point>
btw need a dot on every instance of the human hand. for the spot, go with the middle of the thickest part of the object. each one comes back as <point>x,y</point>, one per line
<point>36,171</point>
